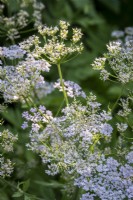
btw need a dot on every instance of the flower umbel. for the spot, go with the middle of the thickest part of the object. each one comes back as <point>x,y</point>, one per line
<point>117,63</point>
<point>57,47</point>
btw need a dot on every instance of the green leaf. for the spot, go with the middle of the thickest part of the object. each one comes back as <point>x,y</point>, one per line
<point>113,5</point>
<point>15,6</point>
<point>26,185</point>
<point>13,116</point>
<point>52,184</point>
<point>80,4</point>
<point>17,194</point>
<point>27,197</point>
<point>114,91</point>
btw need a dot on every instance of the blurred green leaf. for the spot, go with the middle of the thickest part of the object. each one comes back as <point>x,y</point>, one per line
<point>86,21</point>
<point>17,194</point>
<point>80,4</point>
<point>113,5</point>
<point>13,116</point>
<point>27,197</point>
<point>26,185</point>
<point>52,184</point>
<point>114,91</point>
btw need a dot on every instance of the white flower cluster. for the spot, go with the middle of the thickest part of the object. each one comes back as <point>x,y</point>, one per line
<point>72,89</point>
<point>64,142</point>
<point>38,117</point>
<point>57,48</point>
<point>107,179</point>
<point>122,127</point>
<point>125,113</point>
<point>126,110</point>
<point>12,52</point>
<point>117,63</point>
<point>44,89</point>
<point>18,82</point>
<point>7,140</point>
<point>120,34</point>
<point>12,85</point>
<point>129,156</point>
<point>12,26</point>
<point>6,167</point>
<point>37,10</point>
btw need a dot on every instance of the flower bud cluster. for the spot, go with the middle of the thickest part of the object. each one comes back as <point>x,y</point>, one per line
<point>77,35</point>
<point>64,29</point>
<point>56,48</point>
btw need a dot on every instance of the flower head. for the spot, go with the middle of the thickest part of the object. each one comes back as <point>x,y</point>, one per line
<point>56,48</point>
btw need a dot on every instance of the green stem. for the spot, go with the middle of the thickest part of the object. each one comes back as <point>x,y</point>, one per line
<point>59,108</point>
<point>117,99</point>
<point>76,194</point>
<point>94,144</point>
<point>128,122</point>
<point>62,84</point>
<point>26,31</point>
<point>12,185</point>
<point>8,183</point>
<point>27,103</point>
